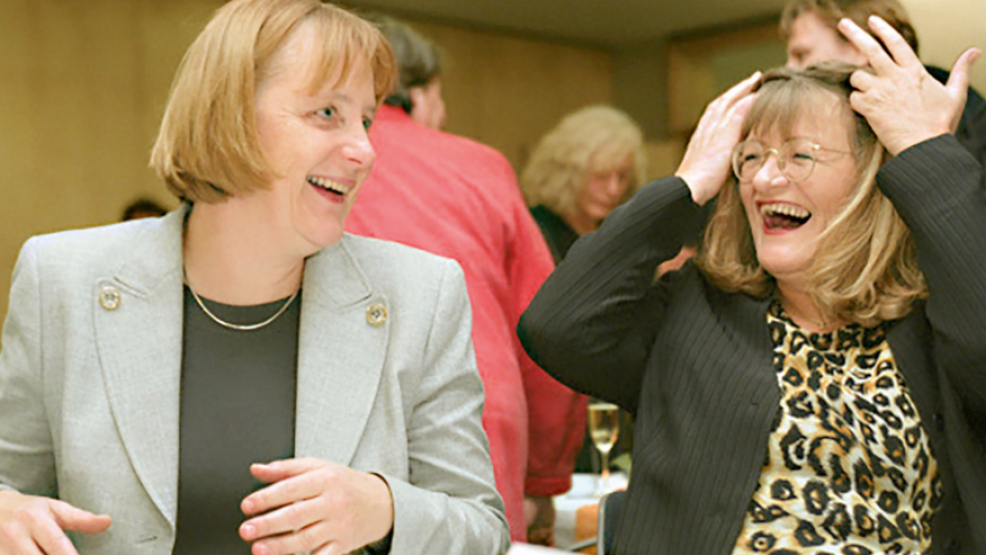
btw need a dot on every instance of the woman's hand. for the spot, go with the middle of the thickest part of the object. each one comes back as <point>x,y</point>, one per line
<point>707,161</point>
<point>31,525</point>
<point>903,103</point>
<point>313,504</point>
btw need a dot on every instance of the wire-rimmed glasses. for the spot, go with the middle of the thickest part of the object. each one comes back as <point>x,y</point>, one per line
<point>796,159</point>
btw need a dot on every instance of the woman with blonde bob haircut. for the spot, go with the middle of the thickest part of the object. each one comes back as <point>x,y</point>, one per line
<point>816,382</point>
<point>241,375</point>
<point>590,163</point>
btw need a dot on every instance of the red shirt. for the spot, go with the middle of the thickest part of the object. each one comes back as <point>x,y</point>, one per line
<point>457,198</point>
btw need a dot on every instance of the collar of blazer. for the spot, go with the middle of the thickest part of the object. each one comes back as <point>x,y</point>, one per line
<point>139,345</point>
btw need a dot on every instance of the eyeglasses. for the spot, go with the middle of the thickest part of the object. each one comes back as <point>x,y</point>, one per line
<point>795,159</point>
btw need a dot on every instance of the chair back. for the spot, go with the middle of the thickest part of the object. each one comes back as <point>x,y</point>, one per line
<point>610,510</point>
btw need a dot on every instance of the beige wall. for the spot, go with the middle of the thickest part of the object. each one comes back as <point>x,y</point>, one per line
<point>83,85</point>
<point>507,91</point>
<point>81,90</point>
<point>946,28</point>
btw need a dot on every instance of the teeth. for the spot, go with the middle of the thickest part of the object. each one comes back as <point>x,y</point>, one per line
<point>784,210</point>
<point>328,184</point>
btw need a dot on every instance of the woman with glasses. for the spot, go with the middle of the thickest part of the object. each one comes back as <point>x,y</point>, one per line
<point>816,381</point>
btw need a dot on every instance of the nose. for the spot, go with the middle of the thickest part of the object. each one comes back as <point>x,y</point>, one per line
<point>358,148</point>
<point>769,174</point>
<point>614,184</point>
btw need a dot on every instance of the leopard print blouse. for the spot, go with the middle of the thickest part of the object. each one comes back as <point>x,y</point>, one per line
<point>849,469</point>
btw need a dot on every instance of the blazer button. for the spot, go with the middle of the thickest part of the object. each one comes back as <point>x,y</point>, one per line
<point>376,314</point>
<point>109,297</point>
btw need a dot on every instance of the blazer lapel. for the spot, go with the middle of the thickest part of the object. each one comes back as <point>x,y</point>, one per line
<point>341,350</point>
<point>139,344</point>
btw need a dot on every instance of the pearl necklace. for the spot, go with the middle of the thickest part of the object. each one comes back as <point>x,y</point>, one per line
<point>239,327</point>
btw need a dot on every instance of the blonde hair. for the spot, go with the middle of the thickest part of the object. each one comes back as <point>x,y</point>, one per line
<point>859,11</point>
<point>208,147</point>
<point>595,139</point>
<point>865,269</point>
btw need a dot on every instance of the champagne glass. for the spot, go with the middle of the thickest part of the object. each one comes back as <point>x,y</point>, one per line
<point>604,425</point>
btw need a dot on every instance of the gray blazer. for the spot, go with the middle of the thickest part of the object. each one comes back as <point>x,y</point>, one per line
<point>91,361</point>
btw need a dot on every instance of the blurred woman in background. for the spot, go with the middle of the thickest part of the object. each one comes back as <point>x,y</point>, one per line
<point>590,163</point>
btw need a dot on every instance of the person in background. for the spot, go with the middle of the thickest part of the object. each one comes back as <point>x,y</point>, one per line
<point>588,164</point>
<point>143,208</point>
<point>240,376</point>
<point>816,381</point>
<point>419,86</point>
<point>457,198</point>
<point>809,27</point>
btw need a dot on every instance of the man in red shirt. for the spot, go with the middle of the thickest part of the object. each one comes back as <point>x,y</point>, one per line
<point>457,198</point>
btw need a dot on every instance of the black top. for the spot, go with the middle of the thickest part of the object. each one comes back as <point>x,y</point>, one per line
<point>557,233</point>
<point>695,363</point>
<point>237,408</point>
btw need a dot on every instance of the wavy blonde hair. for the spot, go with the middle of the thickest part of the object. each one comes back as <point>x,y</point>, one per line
<point>865,269</point>
<point>208,147</point>
<point>595,139</point>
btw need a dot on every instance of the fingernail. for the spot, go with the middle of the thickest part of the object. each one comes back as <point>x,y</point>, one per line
<point>248,531</point>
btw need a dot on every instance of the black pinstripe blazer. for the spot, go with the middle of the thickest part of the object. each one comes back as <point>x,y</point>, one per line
<point>694,363</point>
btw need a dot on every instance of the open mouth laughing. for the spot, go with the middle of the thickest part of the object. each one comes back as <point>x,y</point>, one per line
<point>329,185</point>
<point>780,216</point>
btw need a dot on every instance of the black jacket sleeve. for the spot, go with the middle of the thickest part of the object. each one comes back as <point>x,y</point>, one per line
<point>593,322</point>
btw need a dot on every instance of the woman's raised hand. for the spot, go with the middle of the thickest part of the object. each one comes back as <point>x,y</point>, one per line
<point>707,161</point>
<point>31,525</point>
<point>315,505</point>
<point>902,102</point>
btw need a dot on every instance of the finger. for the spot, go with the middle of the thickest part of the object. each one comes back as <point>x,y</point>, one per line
<point>742,107</point>
<point>306,539</point>
<point>285,492</point>
<point>858,102</point>
<point>275,471</point>
<point>742,89</point>
<point>898,47</point>
<point>958,79</point>
<point>280,521</point>
<point>878,58</point>
<point>52,540</point>
<point>73,519</point>
<point>18,539</point>
<point>862,80</point>
<point>331,548</point>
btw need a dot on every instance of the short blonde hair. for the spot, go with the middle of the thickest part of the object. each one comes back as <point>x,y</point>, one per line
<point>594,139</point>
<point>865,270</point>
<point>859,11</point>
<point>208,147</point>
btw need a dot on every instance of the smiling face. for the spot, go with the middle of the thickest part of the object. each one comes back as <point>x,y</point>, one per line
<point>317,144</point>
<point>812,40</point>
<point>785,218</point>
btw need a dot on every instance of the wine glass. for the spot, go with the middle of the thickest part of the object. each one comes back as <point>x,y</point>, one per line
<point>604,425</point>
